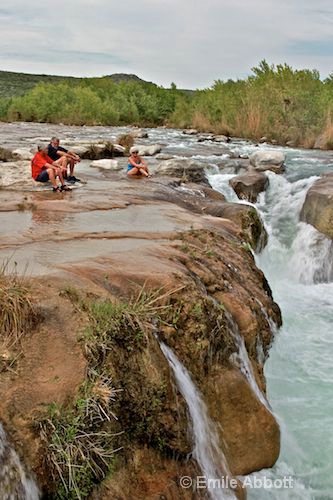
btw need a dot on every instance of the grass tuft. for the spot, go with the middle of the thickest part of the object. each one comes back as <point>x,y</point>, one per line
<point>17,311</point>
<point>79,441</point>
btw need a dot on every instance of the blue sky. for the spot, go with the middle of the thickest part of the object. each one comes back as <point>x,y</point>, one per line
<point>189,42</point>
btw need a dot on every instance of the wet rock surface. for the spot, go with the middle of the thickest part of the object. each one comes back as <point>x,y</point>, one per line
<point>249,185</point>
<point>108,238</point>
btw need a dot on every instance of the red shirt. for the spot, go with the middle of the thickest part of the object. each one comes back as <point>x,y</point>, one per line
<point>38,164</point>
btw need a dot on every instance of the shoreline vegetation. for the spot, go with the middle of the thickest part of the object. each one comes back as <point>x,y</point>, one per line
<point>286,106</point>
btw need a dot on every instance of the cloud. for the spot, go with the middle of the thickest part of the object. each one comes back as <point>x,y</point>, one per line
<point>191,42</point>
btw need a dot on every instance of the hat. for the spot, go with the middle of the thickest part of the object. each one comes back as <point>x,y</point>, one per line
<point>41,146</point>
<point>134,149</point>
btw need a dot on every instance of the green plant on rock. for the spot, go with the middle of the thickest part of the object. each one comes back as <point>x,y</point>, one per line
<point>122,323</point>
<point>79,440</point>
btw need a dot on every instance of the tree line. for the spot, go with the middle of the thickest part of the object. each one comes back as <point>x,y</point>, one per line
<point>277,102</point>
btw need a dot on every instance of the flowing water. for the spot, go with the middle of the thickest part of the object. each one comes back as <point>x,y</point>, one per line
<point>298,263</point>
<point>207,451</point>
<point>15,484</point>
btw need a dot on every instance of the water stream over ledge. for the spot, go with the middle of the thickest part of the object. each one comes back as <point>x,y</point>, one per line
<point>15,484</point>
<point>207,451</point>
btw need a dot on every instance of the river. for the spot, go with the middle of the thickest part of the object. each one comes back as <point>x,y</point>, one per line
<point>297,261</point>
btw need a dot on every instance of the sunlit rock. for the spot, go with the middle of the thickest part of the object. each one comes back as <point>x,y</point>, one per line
<point>106,164</point>
<point>317,209</point>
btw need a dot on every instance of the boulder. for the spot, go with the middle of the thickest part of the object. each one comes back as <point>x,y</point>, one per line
<point>139,134</point>
<point>189,170</point>
<point>82,151</point>
<point>244,216</point>
<point>148,150</point>
<point>23,153</point>
<point>106,164</point>
<point>221,138</point>
<point>249,185</point>
<point>163,156</point>
<point>268,160</point>
<point>317,209</point>
<point>190,131</point>
<point>205,137</point>
<point>263,139</point>
<point>234,166</point>
<point>119,150</point>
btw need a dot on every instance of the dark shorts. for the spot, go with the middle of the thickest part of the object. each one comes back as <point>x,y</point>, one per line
<point>43,176</point>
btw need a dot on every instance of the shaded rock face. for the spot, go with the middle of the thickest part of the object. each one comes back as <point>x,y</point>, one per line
<point>249,185</point>
<point>188,169</point>
<point>268,160</point>
<point>230,398</point>
<point>317,209</point>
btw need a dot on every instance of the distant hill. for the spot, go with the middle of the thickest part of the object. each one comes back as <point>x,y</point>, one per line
<point>13,84</point>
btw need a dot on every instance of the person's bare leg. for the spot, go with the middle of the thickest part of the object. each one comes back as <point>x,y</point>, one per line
<point>143,171</point>
<point>62,164</point>
<point>71,164</point>
<point>133,171</point>
<point>58,172</point>
<point>52,177</point>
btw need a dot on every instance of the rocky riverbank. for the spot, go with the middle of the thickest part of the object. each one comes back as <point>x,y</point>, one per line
<point>115,267</point>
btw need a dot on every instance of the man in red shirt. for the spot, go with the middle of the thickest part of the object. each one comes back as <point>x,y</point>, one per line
<point>44,169</point>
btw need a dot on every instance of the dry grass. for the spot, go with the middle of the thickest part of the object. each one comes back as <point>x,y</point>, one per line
<point>126,140</point>
<point>17,315</point>
<point>79,440</point>
<point>201,122</point>
<point>17,311</point>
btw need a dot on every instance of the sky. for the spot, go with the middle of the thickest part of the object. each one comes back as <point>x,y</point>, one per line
<point>189,42</point>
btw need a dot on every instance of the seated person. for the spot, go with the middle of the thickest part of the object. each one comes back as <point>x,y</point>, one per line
<point>136,165</point>
<point>55,151</point>
<point>44,169</point>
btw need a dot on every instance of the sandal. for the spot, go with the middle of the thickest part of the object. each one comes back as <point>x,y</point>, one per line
<point>56,190</point>
<point>65,188</point>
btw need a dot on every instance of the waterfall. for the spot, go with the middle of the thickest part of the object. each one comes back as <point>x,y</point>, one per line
<point>242,361</point>
<point>312,256</point>
<point>298,264</point>
<point>206,450</point>
<point>14,482</point>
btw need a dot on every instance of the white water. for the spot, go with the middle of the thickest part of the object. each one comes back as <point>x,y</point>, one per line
<point>242,361</point>
<point>207,451</point>
<point>298,265</point>
<point>14,482</point>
